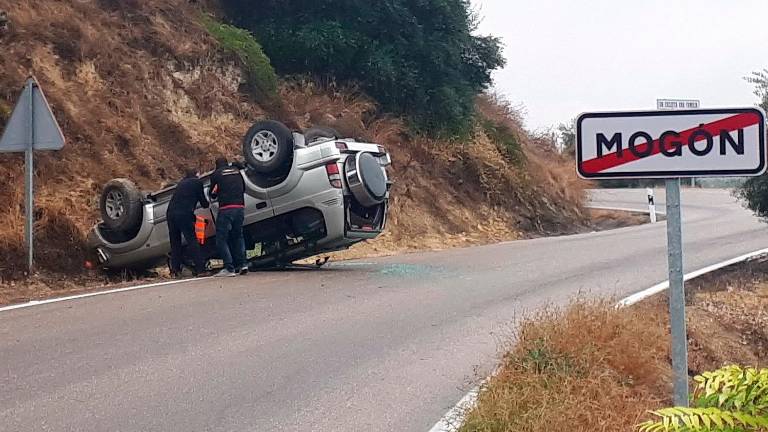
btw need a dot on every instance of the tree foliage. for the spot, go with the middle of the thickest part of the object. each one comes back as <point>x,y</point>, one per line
<point>731,399</point>
<point>567,137</point>
<point>754,192</point>
<point>417,57</point>
<point>760,80</point>
<point>260,75</point>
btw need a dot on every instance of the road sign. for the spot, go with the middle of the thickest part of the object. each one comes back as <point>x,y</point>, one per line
<point>31,109</point>
<point>671,144</point>
<point>31,127</point>
<point>677,104</point>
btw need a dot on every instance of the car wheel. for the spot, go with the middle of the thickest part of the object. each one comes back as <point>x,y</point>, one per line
<point>121,205</point>
<point>366,179</point>
<point>318,133</point>
<point>268,147</point>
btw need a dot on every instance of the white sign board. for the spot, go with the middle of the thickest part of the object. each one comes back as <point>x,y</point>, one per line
<point>668,144</point>
<point>32,124</point>
<point>677,104</point>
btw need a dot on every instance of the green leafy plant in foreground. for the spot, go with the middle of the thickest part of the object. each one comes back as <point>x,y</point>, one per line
<point>732,399</point>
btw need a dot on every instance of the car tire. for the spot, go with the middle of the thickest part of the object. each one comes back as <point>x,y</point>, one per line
<point>121,205</point>
<point>316,133</point>
<point>268,147</point>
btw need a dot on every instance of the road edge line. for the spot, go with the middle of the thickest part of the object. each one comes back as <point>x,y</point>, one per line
<point>660,287</point>
<point>456,414</point>
<point>94,294</point>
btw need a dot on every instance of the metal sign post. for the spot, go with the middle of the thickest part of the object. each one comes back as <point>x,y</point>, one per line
<point>672,145</point>
<point>677,294</point>
<point>31,127</point>
<point>29,187</point>
<point>677,318</point>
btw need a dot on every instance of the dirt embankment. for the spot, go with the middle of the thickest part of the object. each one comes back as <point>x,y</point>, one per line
<point>141,89</point>
<point>592,367</point>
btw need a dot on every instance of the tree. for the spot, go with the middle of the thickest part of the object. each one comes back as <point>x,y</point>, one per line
<point>754,192</point>
<point>760,80</point>
<point>416,57</point>
<point>567,138</point>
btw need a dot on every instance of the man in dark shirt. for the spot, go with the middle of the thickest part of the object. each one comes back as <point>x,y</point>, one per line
<point>228,186</point>
<point>181,220</point>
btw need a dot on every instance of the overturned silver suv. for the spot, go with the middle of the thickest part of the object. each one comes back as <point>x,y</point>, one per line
<point>306,194</point>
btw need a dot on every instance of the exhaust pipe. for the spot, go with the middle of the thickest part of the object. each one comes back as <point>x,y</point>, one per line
<point>102,256</point>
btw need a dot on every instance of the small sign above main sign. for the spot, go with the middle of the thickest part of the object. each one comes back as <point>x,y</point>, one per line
<point>668,144</point>
<point>677,104</point>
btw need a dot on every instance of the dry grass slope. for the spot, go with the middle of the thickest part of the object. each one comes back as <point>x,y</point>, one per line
<point>587,367</point>
<point>141,89</point>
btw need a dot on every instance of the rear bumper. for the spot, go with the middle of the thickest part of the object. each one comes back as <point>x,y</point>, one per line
<point>362,235</point>
<point>368,233</point>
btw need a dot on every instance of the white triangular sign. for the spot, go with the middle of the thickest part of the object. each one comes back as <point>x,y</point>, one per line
<point>31,105</point>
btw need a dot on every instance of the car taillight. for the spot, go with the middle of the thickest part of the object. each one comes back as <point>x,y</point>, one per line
<point>341,146</point>
<point>334,175</point>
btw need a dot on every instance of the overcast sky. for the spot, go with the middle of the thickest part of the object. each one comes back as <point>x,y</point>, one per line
<point>566,57</point>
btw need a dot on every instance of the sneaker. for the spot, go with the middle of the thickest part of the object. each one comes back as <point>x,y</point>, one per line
<point>244,270</point>
<point>225,273</point>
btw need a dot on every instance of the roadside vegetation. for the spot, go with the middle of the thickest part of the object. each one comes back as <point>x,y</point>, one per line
<point>259,73</point>
<point>586,367</point>
<point>754,192</point>
<point>591,367</point>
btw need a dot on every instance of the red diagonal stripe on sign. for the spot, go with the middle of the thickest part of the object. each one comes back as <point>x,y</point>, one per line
<point>612,160</point>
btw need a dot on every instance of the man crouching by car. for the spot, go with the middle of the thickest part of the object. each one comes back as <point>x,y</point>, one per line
<point>228,187</point>
<point>181,221</point>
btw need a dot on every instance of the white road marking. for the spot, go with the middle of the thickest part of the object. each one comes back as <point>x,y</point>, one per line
<point>453,419</point>
<point>98,293</point>
<point>644,294</point>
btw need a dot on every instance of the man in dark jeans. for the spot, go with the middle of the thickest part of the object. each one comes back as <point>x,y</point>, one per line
<point>181,220</point>
<point>228,186</point>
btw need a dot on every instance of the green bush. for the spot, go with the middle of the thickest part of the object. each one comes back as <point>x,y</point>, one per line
<point>260,74</point>
<point>418,58</point>
<point>732,399</point>
<point>755,190</point>
<point>505,139</point>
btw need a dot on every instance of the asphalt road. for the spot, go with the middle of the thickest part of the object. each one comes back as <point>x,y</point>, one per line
<point>381,345</point>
